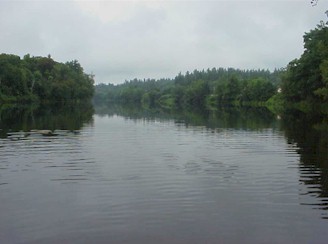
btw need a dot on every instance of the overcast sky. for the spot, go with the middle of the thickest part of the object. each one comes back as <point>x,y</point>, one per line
<point>122,40</point>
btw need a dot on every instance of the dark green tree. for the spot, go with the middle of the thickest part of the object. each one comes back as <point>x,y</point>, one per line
<point>42,79</point>
<point>305,78</point>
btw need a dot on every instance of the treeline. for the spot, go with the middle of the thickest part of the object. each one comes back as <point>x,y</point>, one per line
<point>303,84</point>
<point>199,88</point>
<point>41,79</point>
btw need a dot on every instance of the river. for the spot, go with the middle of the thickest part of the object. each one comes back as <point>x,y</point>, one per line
<point>125,175</point>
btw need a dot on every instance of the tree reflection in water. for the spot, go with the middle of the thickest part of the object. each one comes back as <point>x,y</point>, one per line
<point>310,134</point>
<point>69,117</point>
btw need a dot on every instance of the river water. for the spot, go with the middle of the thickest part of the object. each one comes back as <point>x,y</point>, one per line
<point>136,176</point>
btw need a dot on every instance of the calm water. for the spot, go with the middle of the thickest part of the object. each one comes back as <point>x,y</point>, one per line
<point>126,176</point>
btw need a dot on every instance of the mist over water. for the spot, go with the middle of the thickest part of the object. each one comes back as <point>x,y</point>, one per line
<point>126,175</point>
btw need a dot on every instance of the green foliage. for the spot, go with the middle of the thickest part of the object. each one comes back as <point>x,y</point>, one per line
<point>258,89</point>
<point>42,79</point>
<point>276,103</point>
<point>196,93</point>
<point>306,78</point>
<point>322,92</point>
<point>151,97</point>
<point>167,101</point>
<point>197,89</point>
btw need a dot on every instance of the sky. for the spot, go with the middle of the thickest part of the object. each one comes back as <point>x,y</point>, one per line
<point>123,40</point>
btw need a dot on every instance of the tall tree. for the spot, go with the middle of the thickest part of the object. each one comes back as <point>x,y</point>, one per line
<point>306,76</point>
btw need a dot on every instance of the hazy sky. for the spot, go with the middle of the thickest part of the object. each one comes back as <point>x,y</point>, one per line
<point>122,40</point>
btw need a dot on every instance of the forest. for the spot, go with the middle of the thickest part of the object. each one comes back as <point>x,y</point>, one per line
<point>199,88</point>
<point>41,79</point>
<point>302,84</point>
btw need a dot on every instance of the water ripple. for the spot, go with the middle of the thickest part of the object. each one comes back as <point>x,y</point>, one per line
<point>124,177</point>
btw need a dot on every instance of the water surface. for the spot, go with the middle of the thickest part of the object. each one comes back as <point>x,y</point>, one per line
<point>126,176</point>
